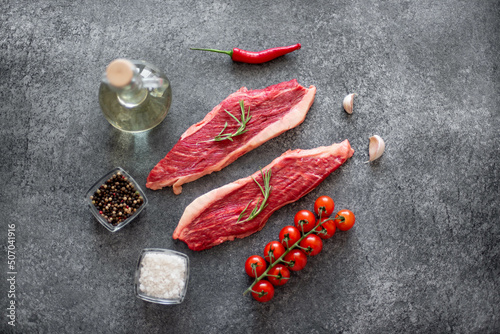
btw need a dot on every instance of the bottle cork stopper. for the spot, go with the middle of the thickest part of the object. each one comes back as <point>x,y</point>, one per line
<point>120,72</point>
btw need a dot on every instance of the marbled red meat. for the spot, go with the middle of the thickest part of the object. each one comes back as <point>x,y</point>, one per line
<point>274,110</point>
<point>212,218</point>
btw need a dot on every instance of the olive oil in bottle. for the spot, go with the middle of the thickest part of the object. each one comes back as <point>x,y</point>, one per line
<point>134,95</point>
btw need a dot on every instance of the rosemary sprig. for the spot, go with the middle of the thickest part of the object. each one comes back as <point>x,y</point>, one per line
<point>266,191</point>
<point>241,130</point>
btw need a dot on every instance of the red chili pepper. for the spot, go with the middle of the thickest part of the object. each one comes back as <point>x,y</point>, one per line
<point>260,57</point>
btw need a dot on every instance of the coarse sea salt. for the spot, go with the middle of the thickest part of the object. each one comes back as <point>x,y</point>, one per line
<point>162,275</point>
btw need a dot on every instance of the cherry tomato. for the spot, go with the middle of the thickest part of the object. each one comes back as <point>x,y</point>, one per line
<point>345,223</point>
<point>281,271</point>
<point>289,235</point>
<point>304,220</point>
<point>327,230</point>
<point>255,266</point>
<point>296,259</point>
<point>312,244</point>
<point>273,251</point>
<point>263,291</point>
<point>324,204</point>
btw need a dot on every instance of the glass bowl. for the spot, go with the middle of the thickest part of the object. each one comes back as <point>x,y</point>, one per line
<point>95,212</point>
<point>173,273</point>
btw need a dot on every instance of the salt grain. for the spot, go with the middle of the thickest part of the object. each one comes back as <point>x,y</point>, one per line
<point>162,275</point>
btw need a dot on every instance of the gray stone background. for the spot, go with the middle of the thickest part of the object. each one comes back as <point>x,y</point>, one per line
<point>424,255</point>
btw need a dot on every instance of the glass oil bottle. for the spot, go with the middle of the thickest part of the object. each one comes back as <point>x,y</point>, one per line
<point>134,95</point>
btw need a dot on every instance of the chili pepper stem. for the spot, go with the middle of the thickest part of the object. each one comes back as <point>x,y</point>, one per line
<point>229,53</point>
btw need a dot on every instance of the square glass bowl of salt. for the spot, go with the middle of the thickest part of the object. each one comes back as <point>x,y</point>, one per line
<point>161,276</point>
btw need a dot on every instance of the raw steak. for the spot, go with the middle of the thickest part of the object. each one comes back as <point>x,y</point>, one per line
<point>273,110</point>
<point>212,218</point>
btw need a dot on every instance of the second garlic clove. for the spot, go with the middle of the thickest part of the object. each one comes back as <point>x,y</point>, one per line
<point>349,103</point>
<point>376,147</point>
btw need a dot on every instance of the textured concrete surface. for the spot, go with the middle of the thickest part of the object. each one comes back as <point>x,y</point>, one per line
<point>424,256</point>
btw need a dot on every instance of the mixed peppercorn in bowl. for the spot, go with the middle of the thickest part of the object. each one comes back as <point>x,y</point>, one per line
<point>116,199</point>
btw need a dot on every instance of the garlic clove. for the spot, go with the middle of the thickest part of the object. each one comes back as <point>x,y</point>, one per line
<point>376,147</point>
<point>349,103</point>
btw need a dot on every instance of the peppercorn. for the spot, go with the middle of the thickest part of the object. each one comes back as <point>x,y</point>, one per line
<point>115,196</point>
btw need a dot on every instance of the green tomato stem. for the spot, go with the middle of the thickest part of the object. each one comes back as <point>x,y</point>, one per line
<point>305,249</point>
<point>261,293</point>
<point>341,218</point>
<point>280,259</point>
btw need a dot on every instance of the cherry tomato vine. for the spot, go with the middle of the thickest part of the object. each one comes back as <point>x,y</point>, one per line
<point>290,252</point>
